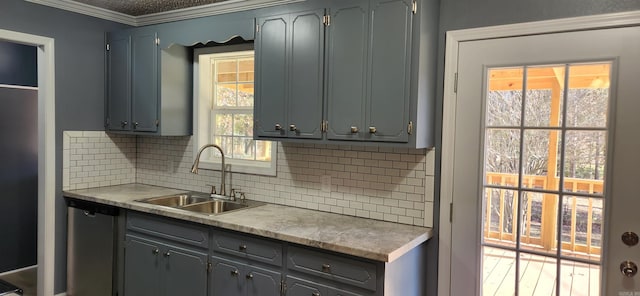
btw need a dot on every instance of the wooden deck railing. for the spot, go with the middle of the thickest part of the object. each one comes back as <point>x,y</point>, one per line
<point>538,228</point>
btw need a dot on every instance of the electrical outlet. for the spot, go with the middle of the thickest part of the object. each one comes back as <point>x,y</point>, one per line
<point>326,183</point>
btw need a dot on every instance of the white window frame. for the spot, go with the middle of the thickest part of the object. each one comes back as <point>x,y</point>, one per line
<point>202,113</point>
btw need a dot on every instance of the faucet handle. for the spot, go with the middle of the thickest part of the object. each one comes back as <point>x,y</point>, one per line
<point>213,189</point>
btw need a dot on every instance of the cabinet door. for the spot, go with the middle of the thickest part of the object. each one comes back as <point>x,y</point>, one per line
<point>300,287</point>
<point>262,282</point>
<point>390,57</point>
<point>185,272</point>
<point>141,267</point>
<point>144,71</point>
<point>346,49</point>
<point>306,74</point>
<point>227,278</point>
<point>271,77</point>
<point>118,79</point>
<point>338,292</point>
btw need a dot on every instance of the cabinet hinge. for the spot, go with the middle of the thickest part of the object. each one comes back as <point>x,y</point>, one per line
<point>283,288</point>
<point>414,7</point>
<point>157,40</point>
<point>326,20</point>
<point>257,28</point>
<point>410,128</point>
<point>209,267</point>
<point>324,126</point>
<point>455,83</point>
<point>108,47</point>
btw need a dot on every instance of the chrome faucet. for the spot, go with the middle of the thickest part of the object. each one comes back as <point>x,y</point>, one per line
<point>196,162</point>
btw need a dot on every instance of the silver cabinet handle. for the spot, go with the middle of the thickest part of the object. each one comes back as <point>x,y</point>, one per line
<point>167,254</point>
<point>124,123</point>
<point>234,272</point>
<point>250,276</point>
<point>278,127</point>
<point>155,251</point>
<point>326,267</point>
<point>242,247</point>
<point>372,129</point>
<point>315,294</point>
<point>135,124</point>
<point>354,130</point>
<point>293,128</point>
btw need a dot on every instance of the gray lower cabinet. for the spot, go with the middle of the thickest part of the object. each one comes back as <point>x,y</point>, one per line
<point>232,277</point>
<point>300,287</point>
<point>156,268</point>
<point>289,75</point>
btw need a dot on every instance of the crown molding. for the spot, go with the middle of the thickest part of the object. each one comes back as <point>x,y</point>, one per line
<point>162,17</point>
<point>89,10</point>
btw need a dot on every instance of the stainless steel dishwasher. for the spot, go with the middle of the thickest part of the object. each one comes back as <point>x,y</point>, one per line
<point>91,248</point>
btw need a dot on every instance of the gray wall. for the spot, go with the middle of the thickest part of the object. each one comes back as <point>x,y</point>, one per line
<point>465,14</point>
<point>79,62</point>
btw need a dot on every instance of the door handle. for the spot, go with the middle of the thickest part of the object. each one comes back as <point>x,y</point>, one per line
<point>628,268</point>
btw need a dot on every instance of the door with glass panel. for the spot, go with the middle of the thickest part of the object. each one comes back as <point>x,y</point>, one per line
<point>545,163</point>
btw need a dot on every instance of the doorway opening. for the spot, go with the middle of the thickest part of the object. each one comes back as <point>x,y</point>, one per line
<point>46,155</point>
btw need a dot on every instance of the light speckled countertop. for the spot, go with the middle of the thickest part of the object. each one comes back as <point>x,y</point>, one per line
<point>367,238</point>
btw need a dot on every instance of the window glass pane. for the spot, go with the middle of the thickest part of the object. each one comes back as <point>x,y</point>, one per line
<point>502,155</point>
<point>225,95</point>
<point>539,165</point>
<point>243,125</point>
<point>537,275</point>
<point>226,71</point>
<point>245,95</point>
<point>588,96</point>
<point>545,90</point>
<point>579,279</point>
<point>582,227</point>
<point>501,206</point>
<point>504,97</point>
<point>585,158</point>
<point>245,68</point>
<point>223,124</point>
<point>263,150</point>
<point>499,271</point>
<point>243,148</point>
<point>539,219</point>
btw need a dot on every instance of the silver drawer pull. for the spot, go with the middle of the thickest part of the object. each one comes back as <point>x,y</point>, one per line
<point>315,294</point>
<point>234,272</point>
<point>167,254</point>
<point>250,276</point>
<point>326,267</point>
<point>372,129</point>
<point>293,128</point>
<point>278,127</point>
<point>354,129</point>
<point>123,123</point>
<point>242,247</point>
<point>155,251</point>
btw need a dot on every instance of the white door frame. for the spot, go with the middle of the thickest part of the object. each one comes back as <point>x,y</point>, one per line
<point>46,154</point>
<point>453,39</point>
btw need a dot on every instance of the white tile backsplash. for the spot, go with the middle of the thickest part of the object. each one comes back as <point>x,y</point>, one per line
<point>391,184</point>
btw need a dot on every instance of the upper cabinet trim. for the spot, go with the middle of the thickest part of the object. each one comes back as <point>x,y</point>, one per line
<point>162,17</point>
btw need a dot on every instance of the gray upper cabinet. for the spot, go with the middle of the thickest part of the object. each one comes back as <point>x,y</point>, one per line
<point>144,83</point>
<point>369,62</point>
<point>289,75</point>
<point>347,69</point>
<point>387,111</point>
<point>119,81</point>
<point>139,100</point>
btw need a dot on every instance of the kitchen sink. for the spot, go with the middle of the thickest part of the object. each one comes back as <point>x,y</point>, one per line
<point>175,201</point>
<point>215,206</point>
<point>200,203</point>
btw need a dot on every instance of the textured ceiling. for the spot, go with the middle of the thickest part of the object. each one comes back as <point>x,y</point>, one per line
<point>142,7</point>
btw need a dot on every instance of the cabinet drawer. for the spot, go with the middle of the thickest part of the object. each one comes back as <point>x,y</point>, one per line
<point>334,267</point>
<point>183,232</point>
<point>248,247</point>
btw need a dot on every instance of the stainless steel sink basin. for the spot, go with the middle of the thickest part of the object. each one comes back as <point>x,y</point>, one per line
<point>215,206</point>
<point>175,201</point>
<point>200,203</point>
